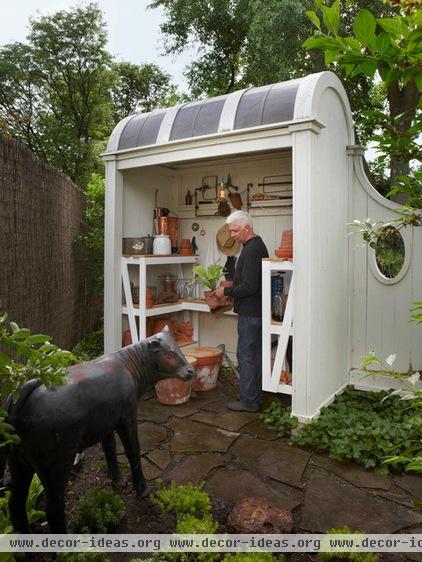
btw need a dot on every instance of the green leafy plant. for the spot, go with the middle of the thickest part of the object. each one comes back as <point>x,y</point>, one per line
<point>98,511</point>
<point>91,346</point>
<point>35,490</point>
<point>279,417</point>
<point>31,356</point>
<point>359,426</point>
<point>5,522</point>
<point>208,276</point>
<point>191,525</point>
<point>410,391</point>
<point>92,239</point>
<point>34,514</point>
<point>182,499</point>
<point>346,556</point>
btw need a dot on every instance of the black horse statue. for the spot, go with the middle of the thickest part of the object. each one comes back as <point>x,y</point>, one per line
<point>98,398</point>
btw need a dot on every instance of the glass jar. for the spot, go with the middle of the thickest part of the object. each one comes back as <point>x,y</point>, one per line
<point>167,287</point>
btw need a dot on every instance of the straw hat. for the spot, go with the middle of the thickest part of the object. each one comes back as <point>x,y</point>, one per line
<point>226,244</point>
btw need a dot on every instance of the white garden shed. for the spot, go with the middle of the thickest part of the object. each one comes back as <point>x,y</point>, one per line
<point>299,132</point>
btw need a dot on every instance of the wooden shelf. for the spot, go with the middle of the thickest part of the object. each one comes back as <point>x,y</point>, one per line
<point>150,259</point>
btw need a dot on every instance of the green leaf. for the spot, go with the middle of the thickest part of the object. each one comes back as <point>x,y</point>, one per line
<point>329,56</point>
<point>322,42</point>
<point>14,327</point>
<point>22,333</point>
<point>418,81</point>
<point>331,17</point>
<point>37,338</point>
<point>393,26</point>
<point>4,359</point>
<point>383,42</point>
<point>364,28</point>
<point>314,18</point>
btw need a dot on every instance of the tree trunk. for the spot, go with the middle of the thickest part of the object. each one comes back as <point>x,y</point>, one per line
<point>402,101</point>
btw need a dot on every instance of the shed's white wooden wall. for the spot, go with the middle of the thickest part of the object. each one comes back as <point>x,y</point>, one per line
<point>380,310</point>
<point>321,323</point>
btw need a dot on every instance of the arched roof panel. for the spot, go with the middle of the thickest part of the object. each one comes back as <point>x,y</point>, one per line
<point>280,103</point>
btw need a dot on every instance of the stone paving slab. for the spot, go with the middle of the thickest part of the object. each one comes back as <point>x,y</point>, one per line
<point>232,421</point>
<point>236,484</point>
<point>353,473</point>
<point>190,437</point>
<point>161,457</point>
<point>329,503</point>
<point>411,483</point>
<point>183,410</point>
<point>153,411</point>
<point>151,471</point>
<point>195,468</point>
<point>150,437</point>
<point>272,458</point>
<point>259,429</point>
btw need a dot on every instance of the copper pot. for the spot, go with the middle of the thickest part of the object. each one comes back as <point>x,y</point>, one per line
<point>170,226</point>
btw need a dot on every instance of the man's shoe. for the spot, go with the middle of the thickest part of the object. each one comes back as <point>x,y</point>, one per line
<point>239,406</point>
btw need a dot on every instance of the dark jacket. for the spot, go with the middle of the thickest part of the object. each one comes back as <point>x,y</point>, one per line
<point>247,280</point>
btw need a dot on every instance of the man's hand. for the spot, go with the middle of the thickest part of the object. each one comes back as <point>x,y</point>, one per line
<point>219,292</point>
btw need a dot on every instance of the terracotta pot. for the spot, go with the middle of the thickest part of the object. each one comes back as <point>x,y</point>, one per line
<point>175,391</point>
<point>287,238</point>
<point>185,244</point>
<point>127,338</point>
<point>284,253</point>
<point>212,300</point>
<point>209,363</point>
<point>149,298</point>
<point>183,332</point>
<point>161,323</point>
<point>226,300</point>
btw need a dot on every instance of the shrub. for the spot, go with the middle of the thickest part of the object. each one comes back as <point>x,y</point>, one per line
<point>98,511</point>
<point>186,498</point>
<point>277,416</point>
<point>191,525</point>
<point>361,427</point>
<point>91,346</point>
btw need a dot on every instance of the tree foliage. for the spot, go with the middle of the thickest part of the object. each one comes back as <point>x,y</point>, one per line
<point>243,43</point>
<point>54,90</point>
<point>138,88</point>
<point>391,47</point>
<point>61,93</point>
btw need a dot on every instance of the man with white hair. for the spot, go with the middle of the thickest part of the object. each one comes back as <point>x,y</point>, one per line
<point>246,291</point>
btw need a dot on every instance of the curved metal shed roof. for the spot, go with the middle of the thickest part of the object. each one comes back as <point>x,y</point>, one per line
<point>245,109</point>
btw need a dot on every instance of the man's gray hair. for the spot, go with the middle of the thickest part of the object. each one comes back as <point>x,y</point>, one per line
<point>242,218</point>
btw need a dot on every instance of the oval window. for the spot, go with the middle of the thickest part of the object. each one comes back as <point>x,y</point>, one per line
<point>389,252</point>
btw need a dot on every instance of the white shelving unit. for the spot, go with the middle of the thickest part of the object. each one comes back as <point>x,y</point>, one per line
<point>271,373</point>
<point>140,310</point>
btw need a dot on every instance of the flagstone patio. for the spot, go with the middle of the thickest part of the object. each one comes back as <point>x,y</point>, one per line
<point>237,456</point>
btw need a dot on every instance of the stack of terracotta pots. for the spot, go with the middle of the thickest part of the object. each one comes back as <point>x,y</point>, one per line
<point>186,247</point>
<point>285,251</point>
<point>208,366</point>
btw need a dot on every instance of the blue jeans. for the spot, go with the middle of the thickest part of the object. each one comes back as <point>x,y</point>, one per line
<point>249,357</point>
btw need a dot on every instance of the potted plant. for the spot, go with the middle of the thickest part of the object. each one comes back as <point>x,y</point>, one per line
<point>209,277</point>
